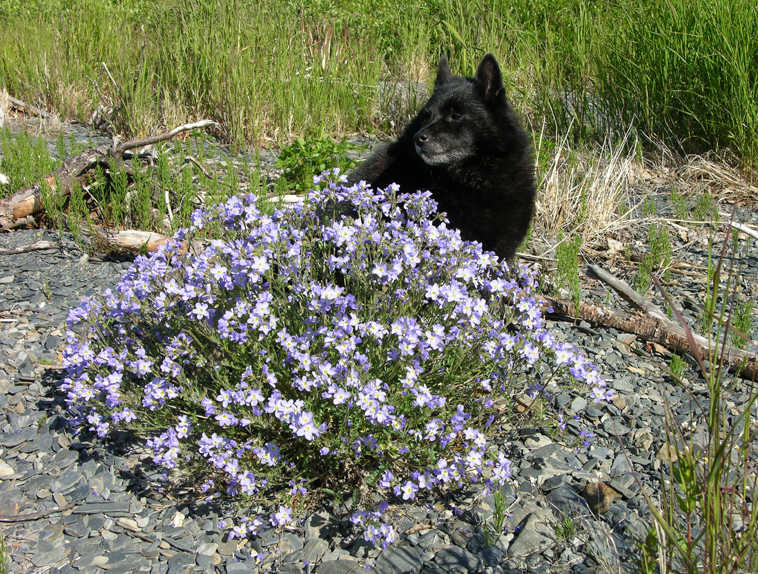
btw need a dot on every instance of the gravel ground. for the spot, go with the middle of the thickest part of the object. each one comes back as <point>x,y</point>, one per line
<point>70,504</point>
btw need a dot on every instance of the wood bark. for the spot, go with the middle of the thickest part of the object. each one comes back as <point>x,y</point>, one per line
<point>651,324</point>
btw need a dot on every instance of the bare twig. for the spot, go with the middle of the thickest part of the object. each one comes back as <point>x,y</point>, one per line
<point>167,199</point>
<point>189,159</point>
<point>745,229</point>
<point>115,85</point>
<point>36,246</point>
<point>530,257</point>
<point>131,144</point>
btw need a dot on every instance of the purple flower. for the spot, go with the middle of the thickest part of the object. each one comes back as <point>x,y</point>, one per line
<point>282,517</point>
<point>372,333</point>
<point>407,491</point>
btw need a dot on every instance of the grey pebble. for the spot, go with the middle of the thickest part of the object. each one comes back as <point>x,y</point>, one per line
<point>457,559</point>
<point>399,559</point>
<point>335,567</point>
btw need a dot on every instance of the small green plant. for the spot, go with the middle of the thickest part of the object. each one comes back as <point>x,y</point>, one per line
<point>306,157</point>
<point>496,524</point>
<point>658,257</point>
<point>707,521</point>
<point>24,159</point>
<point>642,279</point>
<point>681,209</point>
<point>705,209</point>
<point>648,548</point>
<point>660,248</point>
<point>77,211</point>
<point>709,301</point>
<point>54,202</point>
<point>648,208</point>
<point>742,322</point>
<point>566,528</point>
<point>567,254</point>
<point>677,366</point>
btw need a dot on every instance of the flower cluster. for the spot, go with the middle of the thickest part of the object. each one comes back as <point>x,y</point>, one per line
<point>355,325</point>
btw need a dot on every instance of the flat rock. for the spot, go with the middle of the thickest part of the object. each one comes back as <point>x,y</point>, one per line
<point>6,470</point>
<point>456,559</point>
<point>399,559</point>
<point>533,537</point>
<point>12,439</point>
<point>333,567</point>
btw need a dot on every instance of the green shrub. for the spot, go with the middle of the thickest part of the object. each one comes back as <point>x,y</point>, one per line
<point>298,344</point>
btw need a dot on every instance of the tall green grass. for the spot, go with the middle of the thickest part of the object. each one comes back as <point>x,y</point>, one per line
<point>680,71</point>
<point>24,158</point>
<point>685,71</point>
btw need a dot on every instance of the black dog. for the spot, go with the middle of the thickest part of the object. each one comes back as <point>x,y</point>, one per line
<point>468,148</point>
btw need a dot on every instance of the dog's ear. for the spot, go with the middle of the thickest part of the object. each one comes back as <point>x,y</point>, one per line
<point>444,74</point>
<point>490,79</point>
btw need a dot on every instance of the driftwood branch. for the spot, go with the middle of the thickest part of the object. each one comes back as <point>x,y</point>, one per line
<point>131,144</point>
<point>625,290</point>
<point>28,201</point>
<point>36,246</point>
<point>135,240</point>
<point>653,325</point>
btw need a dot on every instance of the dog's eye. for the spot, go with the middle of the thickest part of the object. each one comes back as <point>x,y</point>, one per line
<point>455,116</point>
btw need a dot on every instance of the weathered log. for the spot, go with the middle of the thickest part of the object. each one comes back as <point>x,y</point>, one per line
<point>653,325</point>
<point>136,240</point>
<point>36,246</point>
<point>133,241</point>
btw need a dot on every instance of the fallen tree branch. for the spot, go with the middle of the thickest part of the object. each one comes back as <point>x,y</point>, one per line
<point>653,325</point>
<point>625,290</point>
<point>36,246</point>
<point>29,201</point>
<point>131,144</point>
<point>652,329</point>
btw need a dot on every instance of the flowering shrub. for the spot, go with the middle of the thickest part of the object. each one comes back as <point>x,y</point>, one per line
<point>353,331</point>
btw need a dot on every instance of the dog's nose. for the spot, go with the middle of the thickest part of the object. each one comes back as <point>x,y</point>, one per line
<point>421,139</point>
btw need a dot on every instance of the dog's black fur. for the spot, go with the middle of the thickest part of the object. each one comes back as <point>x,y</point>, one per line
<point>468,148</point>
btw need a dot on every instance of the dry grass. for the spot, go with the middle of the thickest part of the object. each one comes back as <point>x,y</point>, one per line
<point>719,174</point>
<point>3,106</point>
<point>585,192</point>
